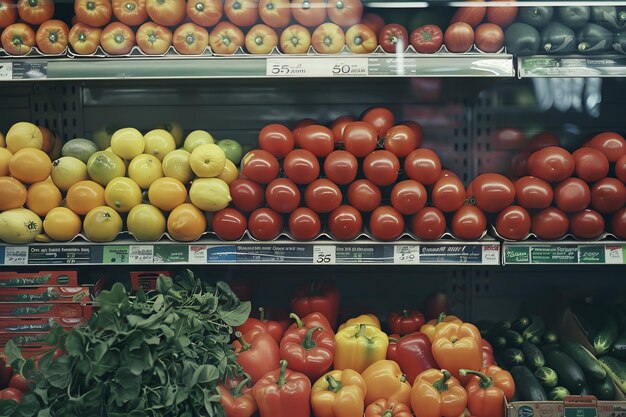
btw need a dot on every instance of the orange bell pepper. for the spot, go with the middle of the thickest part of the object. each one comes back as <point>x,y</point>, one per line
<point>430,328</point>
<point>339,394</point>
<point>362,319</point>
<point>384,379</point>
<point>487,390</point>
<point>437,394</point>
<point>387,408</point>
<point>458,346</point>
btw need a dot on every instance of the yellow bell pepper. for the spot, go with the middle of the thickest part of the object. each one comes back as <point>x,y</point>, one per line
<point>362,319</point>
<point>431,328</point>
<point>358,346</point>
<point>339,394</point>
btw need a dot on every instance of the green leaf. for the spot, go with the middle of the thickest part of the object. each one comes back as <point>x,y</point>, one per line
<point>187,280</point>
<point>14,354</point>
<point>225,291</point>
<point>125,386</point>
<point>236,316</point>
<point>205,374</point>
<point>58,374</point>
<point>75,344</point>
<point>164,284</point>
<point>112,300</point>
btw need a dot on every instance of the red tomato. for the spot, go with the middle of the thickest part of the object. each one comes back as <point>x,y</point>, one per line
<point>507,139</point>
<point>364,195</point>
<point>130,12</point>
<point>470,15</point>
<point>306,122</point>
<point>360,39</point>
<point>618,224</point>
<point>52,37</point>
<point>18,39</point>
<point>620,168</point>
<point>275,13</point>
<point>265,224</point>
<point>345,223</point>
<point>400,140</point>
<point>19,382</point>
<point>519,163</point>
<point>36,12</point>
<point>11,394</point>
<point>374,21</point>
<point>225,38</point>
<point>590,164</point>
<point>360,138</point>
<point>533,193</point>
<point>309,13</point>
<point>261,39</point>
<point>339,125</point>
<point>381,118</point>
<point>417,130</point>
<point>468,223</point>
<point>428,224</point>
<point>154,39</point>
<point>513,223</point>
<point>386,223</point>
<point>322,196</point>
<point>445,173</point>
<point>84,39</point>
<point>423,165</point>
<point>317,139</point>
<point>501,16</point>
<point>572,195</point>
<point>8,13</point>
<point>301,166</point>
<point>205,12</point>
<point>328,39</point>
<point>489,37</point>
<point>448,194</point>
<point>459,37</point>
<point>117,39</point>
<point>242,13</point>
<point>95,13</point>
<point>304,224</point>
<point>611,144</point>
<point>341,167</point>
<point>381,167</point>
<point>190,39</point>
<point>246,195</point>
<point>393,38</point>
<point>260,166</point>
<point>542,140</point>
<point>587,224</point>
<point>345,12</point>
<point>427,39</point>
<point>550,224</point>
<point>229,224</point>
<point>276,139</point>
<point>166,12</point>
<point>493,192</point>
<point>608,195</point>
<point>295,39</point>
<point>552,164</point>
<point>408,197</point>
<point>282,195</point>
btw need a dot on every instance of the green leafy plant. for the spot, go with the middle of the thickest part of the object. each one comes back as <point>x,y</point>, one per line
<point>154,355</point>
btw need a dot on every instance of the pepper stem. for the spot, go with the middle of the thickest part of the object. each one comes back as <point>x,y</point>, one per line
<point>281,373</point>
<point>333,384</point>
<point>441,318</point>
<point>244,345</point>
<point>403,378</point>
<point>393,340</point>
<point>485,381</point>
<point>308,343</point>
<point>387,413</point>
<point>261,314</point>
<point>405,313</point>
<point>299,322</point>
<point>236,392</point>
<point>361,332</point>
<point>440,384</point>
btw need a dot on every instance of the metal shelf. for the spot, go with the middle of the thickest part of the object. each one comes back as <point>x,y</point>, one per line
<point>565,252</point>
<point>571,66</point>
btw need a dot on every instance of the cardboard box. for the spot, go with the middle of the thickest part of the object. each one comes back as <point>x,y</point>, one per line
<point>45,310</point>
<point>21,339</point>
<point>38,324</point>
<point>45,294</point>
<point>146,280</point>
<point>38,279</point>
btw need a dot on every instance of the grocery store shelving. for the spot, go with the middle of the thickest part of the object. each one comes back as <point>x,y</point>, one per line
<point>571,66</point>
<point>564,252</point>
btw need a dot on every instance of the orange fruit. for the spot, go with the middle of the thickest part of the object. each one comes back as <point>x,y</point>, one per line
<point>84,196</point>
<point>30,165</point>
<point>62,224</point>
<point>167,193</point>
<point>5,157</point>
<point>186,223</point>
<point>48,139</point>
<point>13,193</point>
<point>43,197</point>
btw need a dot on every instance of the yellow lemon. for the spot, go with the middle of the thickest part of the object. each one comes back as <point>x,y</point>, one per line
<point>5,157</point>
<point>159,143</point>
<point>127,143</point>
<point>230,172</point>
<point>176,130</point>
<point>67,171</point>
<point>176,165</point>
<point>122,194</point>
<point>144,169</point>
<point>102,224</point>
<point>19,225</point>
<point>197,138</point>
<point>62,224</point>
<point>103,166</point>
<point>24,135</point>
<point>209,194</point>
<point>207,161</point>
<point>146,223</point>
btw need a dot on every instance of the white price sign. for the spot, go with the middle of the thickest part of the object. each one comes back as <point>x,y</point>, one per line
<point>613,254</point>
<point>198,254</point>
<point>491,255</point>
<point>141,254</point>
<point>406,254</point>
<point>324,254</point>
<point>316,67</point>
<point>6,70</point>
<point>16,255</point>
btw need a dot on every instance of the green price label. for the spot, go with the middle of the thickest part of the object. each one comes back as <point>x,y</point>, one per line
<point>517,255</point>
<point>580,412</point>
<point>591,254</point>
<point>554,254</point>
<point>171,254</point>
<point>115,255</point>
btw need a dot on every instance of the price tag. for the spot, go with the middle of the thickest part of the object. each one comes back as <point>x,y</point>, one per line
<point>324,254</point>
<point>198,254</point>
<point>141,254</point>
<point>406,254</point>
<point>614,254</point>
<point>316,67</point>
<point>350,67</point>
<point>491,254</point>
<point>6,70</point>
<point>16,255</point>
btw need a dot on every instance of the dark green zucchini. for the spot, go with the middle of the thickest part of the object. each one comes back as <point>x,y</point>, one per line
<point>547,377</point>
<point>535,16</point>
<point>586,389</point>
<point>497,329</point>
<point>607,335</point>
<point>570,374</point>
<point>550,338</point>
<point>616,370</point>
<point>522,39</point>
<point>526,385</point>
<point>558,394</point>
<point>520,324</point>
<point>604,390</point>
<point>593,38</point>
<point>574,17</point>
<point>483,327</point>
<point>536,329</point>
<point>556,38</point>
<point>585,359</point>
<point>532,355</point>
<point>511,357</point>
<point>499,344</point>
<point>618,349</point>
<point>548,348</point>
<point>513,338</point>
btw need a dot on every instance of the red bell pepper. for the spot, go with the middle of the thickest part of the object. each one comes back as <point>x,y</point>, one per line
<point>405,321</point>
<point>257,353</point>
<point>487,390</point>
<point>413,353</point>
<point>308,350</point>
<point>392,348</point>
<point>317,297</point>
<point>275,328</point>
<point>237,400</point>
<point>487,350</point>
<point>242,288</point>
<point>283,393</point>
<point>311,320</point>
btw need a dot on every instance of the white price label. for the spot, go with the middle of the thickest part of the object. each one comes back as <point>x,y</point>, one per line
<point>141,254</point>
<point>316,67</point>
<point>324,254</point>
<point>406,254</point>
<point>6,70</point>
<point>198,254</point>
<point>613,254</point>
<point>16,255</point>
<point>491,255</point>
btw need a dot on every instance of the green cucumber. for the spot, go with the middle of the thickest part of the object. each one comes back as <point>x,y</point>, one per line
<point>604,390</point>
<point>616,370</point>
<point>498,344</point>
<point>547,377</point>
<point>548,348</point>
<point>513,338</point>
<point>520,324</point>
<point>537,328</point>
<point>586,389</point>
<point>570,374</point>
<point>606,336</point>
<point>535,340</point>
<point>512,357</point>
<point>585,359</point>
<point>619,347</point>
<point>526,385</point>
<point>532,355</point>
<point>550,337</point>
<point>558,394</point>
<point>497,329</point>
